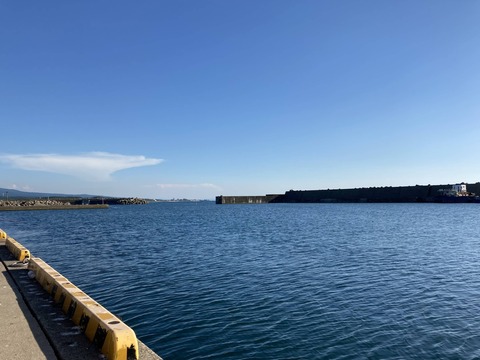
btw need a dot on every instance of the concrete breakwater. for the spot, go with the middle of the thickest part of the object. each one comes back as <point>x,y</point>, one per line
<point>407,194</point>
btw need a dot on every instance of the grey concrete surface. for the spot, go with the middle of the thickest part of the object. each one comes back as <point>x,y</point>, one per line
<point>21,337</point>
<point>35,326</point>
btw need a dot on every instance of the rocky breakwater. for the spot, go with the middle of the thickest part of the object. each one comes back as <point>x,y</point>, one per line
<point>12,205</point>
<point>28,203</point>
<point>132,201</point>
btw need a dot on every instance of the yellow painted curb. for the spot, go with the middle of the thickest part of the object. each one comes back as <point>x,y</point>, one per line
<point>20,252</point>
<point>114,338</point>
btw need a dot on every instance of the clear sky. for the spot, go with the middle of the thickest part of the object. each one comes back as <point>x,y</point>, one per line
<point>197,98</point>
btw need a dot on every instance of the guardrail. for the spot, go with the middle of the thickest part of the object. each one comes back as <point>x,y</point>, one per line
<point>113,337</point>
<point>20,252</point>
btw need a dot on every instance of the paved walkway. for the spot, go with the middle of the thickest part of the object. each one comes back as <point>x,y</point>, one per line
<point>21,337</point>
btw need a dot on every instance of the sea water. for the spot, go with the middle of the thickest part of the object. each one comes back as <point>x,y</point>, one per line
<point>276,281</point>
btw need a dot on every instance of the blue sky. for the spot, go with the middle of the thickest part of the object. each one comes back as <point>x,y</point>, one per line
<point>173,99</point>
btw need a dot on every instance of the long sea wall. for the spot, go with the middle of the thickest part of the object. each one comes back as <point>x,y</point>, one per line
<point>409,194</point>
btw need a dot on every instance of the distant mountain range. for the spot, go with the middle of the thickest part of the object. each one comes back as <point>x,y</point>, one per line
<point>13,194</point>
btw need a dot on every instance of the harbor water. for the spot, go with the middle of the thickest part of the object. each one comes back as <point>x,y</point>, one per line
<point>275,281</point>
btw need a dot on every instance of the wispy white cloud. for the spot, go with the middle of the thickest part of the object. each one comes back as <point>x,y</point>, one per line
<point>20,187</point>
<point>93,165</point>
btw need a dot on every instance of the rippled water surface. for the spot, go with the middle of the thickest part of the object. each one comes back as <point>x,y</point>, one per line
<point>279,281</point>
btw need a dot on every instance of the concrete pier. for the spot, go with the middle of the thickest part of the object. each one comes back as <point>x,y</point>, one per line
<point>33,327</point>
